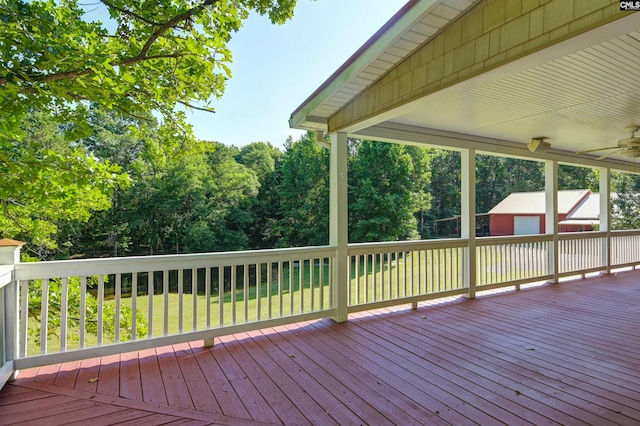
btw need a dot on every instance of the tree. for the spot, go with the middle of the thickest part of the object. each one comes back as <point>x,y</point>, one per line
<point>304,194</point>
<point>421,177</point>
<point>264,159</point>
<point>626,205</point>
<point>148,56</point>
<point>45,181</point>
<point>444,186</point>
<point>383,191</point>
<point>572,177</point>
<point>491,182</point>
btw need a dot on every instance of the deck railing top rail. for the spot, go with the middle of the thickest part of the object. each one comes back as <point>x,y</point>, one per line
<point>85,267</point>
<point>399,246</point>
<point>566,236</point>
<point>512,239</point>
<point>5,274</point>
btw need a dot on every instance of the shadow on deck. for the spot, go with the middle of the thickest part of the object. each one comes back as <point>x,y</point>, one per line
<point>564,354</point>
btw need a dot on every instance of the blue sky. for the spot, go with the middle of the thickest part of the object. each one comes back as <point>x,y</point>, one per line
<point>275,68</point>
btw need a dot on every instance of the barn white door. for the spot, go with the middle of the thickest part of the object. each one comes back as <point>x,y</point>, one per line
<point>526,225</point>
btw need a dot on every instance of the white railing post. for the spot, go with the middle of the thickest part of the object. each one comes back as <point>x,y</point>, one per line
<point>468,219</point>
<point>338,224</point>
<point>551,214</point>
<point>604,188</point>
<point>9,310</point>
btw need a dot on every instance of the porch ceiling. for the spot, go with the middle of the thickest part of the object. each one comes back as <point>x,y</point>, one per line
<point>580,94</point>
<point>580,100</point>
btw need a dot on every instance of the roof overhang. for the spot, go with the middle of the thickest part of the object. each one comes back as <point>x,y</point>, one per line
<point>579,92</point>
<point>410,27</point>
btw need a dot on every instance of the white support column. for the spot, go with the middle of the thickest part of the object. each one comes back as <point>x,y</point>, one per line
<point>338,224</point>
<point>9,312</point>
<point>551,214</point>
<point>468,219</point>
<point>605,214</point>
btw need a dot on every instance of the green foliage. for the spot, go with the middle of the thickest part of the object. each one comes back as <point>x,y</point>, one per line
<point>45,181</point>
<point>386,185</point>
<point>497,177</point>
<point>148,56</point>
<point>304,194</point>
<point>263,210</point>
<point>572,177</point>
<point>626,205</point>
<point>444,187</point>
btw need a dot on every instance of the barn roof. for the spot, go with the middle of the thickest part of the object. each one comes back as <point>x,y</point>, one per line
<point>534,202</point>
<point>589,208</point>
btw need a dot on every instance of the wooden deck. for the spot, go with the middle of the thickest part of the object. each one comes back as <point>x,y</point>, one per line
<point>566,354</point>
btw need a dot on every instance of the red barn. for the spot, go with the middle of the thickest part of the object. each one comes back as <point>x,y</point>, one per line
<point>522,213</point>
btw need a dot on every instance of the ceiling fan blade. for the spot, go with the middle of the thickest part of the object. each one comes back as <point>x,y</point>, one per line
<point>610,154</point>
<point>598,149</point>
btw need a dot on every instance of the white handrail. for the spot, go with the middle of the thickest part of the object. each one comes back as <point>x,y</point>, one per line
<point>409,245</point>
<point>6,272</point>
<point>87,267</point>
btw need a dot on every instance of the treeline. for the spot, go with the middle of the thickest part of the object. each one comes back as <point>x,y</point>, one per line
<point>176,195</point>
<point>197,196</point>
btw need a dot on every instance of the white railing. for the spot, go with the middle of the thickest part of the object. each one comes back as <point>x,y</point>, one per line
<point>625,248</point>
<point>140,302</point>
<point>581,252</point>
<point>77,309</point>
<point>384,274</point>
<point>508,260</point>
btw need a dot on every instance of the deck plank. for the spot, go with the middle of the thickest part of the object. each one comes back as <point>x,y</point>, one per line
<point>112,415</point>
<point>67,374</point>
<point>178,413</point>
<point>151,378</point>
<point>202,396</point>
<point>226,397</point>
<point>93,414</point>
<point>321,369</point>
<point>369,381</point>
<point>425,348</point>
<point>130,382</point>
<point>255,403</point>
<point>277,400</point>
<point>109,375</point>
<point>14,395</point>
<point>47,374</point>
<point>594,383</point>
<point>41,410</point>
<point>288,379</point>
<point>468,365</point>
<point>174,381</point>
<point>430,381</point>
<point>328,399</point>
<point>614,374</point>
<point>87,374</point>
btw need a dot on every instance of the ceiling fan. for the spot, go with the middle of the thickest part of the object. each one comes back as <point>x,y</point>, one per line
<point>629,147</point>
